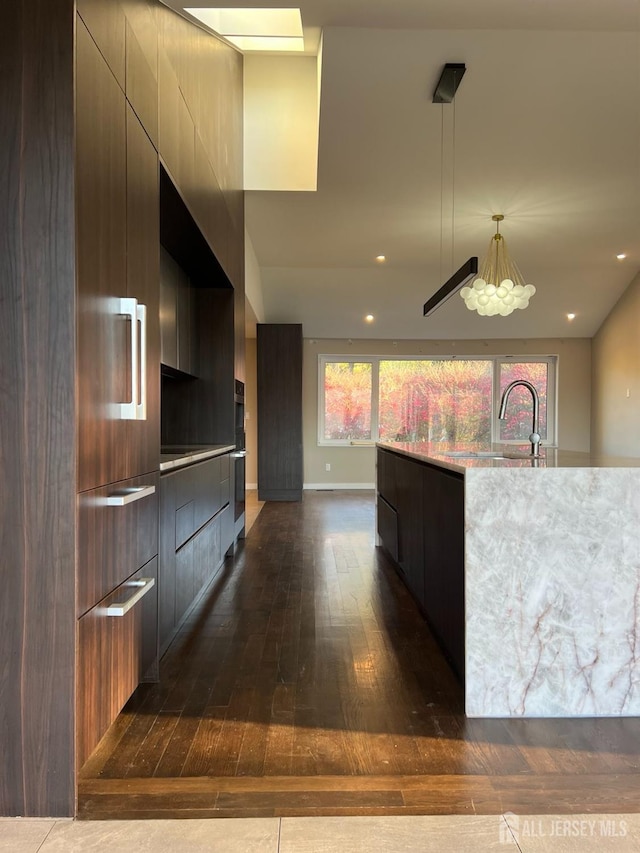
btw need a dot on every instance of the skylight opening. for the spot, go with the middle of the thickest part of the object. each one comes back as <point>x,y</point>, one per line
<point>255,29</point>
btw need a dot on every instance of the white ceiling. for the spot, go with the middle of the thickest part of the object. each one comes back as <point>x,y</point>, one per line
<point>547,132</point>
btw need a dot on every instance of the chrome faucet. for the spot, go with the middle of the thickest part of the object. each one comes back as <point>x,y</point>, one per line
<point>534,438</point>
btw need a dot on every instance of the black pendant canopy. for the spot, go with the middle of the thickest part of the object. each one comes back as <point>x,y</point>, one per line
<point>452,74</point>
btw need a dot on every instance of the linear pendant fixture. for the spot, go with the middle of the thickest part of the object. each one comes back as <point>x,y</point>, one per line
<point>444,93</point>
<point>453,285</point>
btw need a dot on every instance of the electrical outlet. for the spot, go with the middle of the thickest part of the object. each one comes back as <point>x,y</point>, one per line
<point>327,466</point>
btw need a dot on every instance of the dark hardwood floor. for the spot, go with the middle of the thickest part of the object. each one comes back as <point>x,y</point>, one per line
<point>307,683</point>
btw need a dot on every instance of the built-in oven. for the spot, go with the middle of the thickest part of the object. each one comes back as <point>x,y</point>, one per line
<point>239,455</point>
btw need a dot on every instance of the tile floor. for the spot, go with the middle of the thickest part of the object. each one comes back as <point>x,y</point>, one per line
<point>403,834</point>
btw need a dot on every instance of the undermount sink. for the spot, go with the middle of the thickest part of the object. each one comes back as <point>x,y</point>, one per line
<point>484,454</point>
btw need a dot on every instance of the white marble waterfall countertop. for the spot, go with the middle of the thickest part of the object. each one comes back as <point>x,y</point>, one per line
<point>453,456</point>
<point>552,584</point>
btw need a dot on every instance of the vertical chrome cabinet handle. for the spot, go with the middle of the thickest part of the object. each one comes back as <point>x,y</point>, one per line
<point>128,308</point>
<point>141,407</point>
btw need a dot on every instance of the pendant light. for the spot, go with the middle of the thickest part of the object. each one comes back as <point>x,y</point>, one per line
<point>500,287</point>
<point>444,93</point>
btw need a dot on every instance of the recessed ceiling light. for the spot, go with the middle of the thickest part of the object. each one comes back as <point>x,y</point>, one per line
<point>621,256</point>
<point>571,316</point>
<point>381,259</point>
<point>369,318</point>
<point>255,29</point>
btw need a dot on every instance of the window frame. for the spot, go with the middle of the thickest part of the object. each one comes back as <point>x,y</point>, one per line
<point>496,360</point>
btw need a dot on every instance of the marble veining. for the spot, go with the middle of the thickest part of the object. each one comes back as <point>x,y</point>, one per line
<point>552,592</point>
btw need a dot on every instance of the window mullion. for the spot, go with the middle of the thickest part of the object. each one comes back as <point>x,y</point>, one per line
<point>375,399</point>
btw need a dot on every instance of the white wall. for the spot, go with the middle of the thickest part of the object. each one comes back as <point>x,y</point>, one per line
<point>281,121</point>
<point>616,378</point>
<point>351,466</point>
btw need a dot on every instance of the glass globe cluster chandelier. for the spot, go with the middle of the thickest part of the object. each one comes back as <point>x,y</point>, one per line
<point>499,287</point>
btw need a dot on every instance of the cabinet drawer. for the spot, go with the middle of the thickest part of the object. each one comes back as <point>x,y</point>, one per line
<point>388,527</point>
<point>225,467</point>
<point>114,654</point>
<point>117,533</point>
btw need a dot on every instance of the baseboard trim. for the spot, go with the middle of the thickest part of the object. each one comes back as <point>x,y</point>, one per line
<point>319,487</point>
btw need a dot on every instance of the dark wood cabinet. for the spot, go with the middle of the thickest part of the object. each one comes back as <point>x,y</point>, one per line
<point>117,648</point>
<point>106,21</point>
<point>444,560</point>
<point>386,475</point>
<point>142,75</point>
<point>279,352</point>
<point>196,530</point>
<point>177,329</point>
<point>420,510</point>
<point>103,332</point>
<point>88,117</point>
<point>409,480</point>
<point>118,374</point>
<point>143,245</point>
<point>117,533</point>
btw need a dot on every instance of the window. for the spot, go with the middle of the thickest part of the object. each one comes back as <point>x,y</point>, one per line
<point>436,399</point>
<point>347,400</point>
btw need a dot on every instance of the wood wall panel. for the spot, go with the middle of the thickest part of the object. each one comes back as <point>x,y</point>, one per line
<point>12,444</point>
<point>37,404</point>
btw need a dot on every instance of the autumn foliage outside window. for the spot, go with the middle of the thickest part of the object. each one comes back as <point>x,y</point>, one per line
<point>435,400</point>
<point>347,396</point>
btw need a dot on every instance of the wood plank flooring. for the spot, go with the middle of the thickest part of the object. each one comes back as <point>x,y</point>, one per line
<point>307,683</point>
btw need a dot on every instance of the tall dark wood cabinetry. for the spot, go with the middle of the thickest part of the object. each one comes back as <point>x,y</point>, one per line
<point>118,407</point>
<point>279,356</point>
<point>82,91</point>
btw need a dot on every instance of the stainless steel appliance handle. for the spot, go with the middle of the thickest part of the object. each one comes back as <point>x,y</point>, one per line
<point>239,454</point>
<point>141,586</point>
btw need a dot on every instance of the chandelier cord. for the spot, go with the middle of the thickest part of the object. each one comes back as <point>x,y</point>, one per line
<point>441,186</point>
<point>453,185</point>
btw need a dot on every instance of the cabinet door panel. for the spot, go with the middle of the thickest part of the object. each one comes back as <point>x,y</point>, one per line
<point>388,527</point>
<point>387,476</point>
<point>408,488</point>
<point>106,22</point>
<point>143,264</point>
<point>185,577</point>
<point>142,82</point>
<point>167,558</point>
<point>444,561</point>
<point>114,654</point>
<point>103,351</point>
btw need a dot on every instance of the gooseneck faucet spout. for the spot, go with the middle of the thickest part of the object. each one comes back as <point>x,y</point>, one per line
<point>534,438</point>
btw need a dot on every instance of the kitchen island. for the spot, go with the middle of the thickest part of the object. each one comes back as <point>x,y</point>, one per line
<point>528,571</point>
